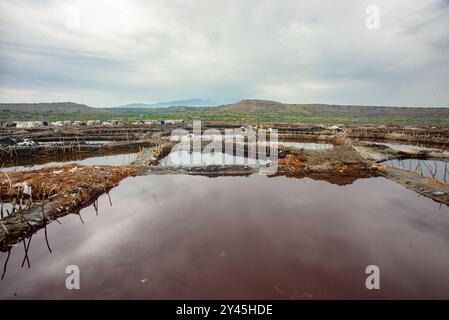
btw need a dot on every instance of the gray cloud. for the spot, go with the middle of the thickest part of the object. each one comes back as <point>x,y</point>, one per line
<point>105,53</point>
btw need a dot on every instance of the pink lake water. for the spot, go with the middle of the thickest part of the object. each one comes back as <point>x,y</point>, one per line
<point>193,237</point>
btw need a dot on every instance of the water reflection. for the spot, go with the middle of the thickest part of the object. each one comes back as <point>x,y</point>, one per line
<point>26,241</point>
<point>109,159</point>
<point>242,238</point>
<point>186,158</point>
<point>10,244</point>
<point>428,168</point>
<point>307,145</point>
<point>403,147</point>
<point>62,143</point>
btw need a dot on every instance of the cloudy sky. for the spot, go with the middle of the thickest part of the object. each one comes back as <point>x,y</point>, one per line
<point>107,53</point>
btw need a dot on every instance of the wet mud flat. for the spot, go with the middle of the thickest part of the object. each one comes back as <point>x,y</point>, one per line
<point>192,237</point>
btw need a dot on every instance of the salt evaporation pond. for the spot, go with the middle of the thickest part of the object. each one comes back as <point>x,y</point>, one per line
<point>61,143</point>
<point>112,160</point>
<point>299,145</point>
<point>307,145</point>
<point>180,237</point>
<point>429,168</point>
<point>402,147</point>
<point>186,158</point>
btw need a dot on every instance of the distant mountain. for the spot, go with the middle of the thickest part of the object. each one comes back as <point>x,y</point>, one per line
<point>274,107</point>
<point>47,108</point>
<point>176,103</point>
<point>63,110</point>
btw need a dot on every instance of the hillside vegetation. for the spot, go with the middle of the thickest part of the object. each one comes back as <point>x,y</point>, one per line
<point>245,110</point>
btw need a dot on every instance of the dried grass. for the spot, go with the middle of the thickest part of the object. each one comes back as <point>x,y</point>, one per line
<point>70,186</point>
<point>293,161</point>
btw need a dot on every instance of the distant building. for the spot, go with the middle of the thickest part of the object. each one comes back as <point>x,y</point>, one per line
<point>171,121</point>
<point>30,124</point>
<point>26,142</point>
<point>335,128</point>
<point>93,122</point>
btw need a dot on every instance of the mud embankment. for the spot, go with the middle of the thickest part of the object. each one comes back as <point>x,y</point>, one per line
<point>379,152</point>
<point>428,187</point>
<point>16,152</point>
<point>37,197</point>
<point>437,136</point>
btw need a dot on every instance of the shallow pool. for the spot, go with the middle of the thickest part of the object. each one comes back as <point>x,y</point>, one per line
<point>195,158</point>
<point>179,237</point>
<point>61,143</point>
<point>307,145</point>
<point>428,168</point>
<point>403,147</point>
<point>112,160</point>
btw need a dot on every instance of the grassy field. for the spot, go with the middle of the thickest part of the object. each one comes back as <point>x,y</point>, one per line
<point>247,111</point>
<point>133,115</point>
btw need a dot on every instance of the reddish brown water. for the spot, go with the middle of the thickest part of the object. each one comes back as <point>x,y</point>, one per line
<point>240,238</point>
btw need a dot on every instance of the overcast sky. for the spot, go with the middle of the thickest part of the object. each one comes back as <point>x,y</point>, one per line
<point>107,53</point>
